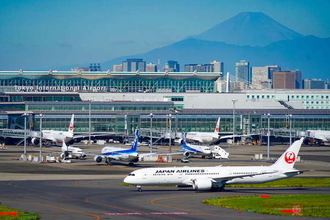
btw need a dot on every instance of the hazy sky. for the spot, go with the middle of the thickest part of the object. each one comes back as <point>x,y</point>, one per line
<point>38,34</point>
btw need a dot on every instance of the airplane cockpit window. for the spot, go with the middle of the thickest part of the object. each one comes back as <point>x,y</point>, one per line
<point>131,174</point>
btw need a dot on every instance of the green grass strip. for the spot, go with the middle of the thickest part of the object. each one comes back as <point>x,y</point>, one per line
<point>7,213</point>
<point>285,205</point>
<point>291,182</point>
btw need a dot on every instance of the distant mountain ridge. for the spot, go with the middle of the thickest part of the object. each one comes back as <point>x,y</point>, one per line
<point>269,43</point>
<point>249,29</point>
<point>307,54</point>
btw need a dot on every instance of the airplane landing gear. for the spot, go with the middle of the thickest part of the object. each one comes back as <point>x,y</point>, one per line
<point>108,161</point>
<point>139,188</point>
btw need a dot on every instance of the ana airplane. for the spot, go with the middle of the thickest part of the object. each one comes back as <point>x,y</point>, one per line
<point>75,152</point>
<point>190,149</point>
<point>120,154</point>
<point>213,178</point>
<point>55,137</point>
<point>204,137</point>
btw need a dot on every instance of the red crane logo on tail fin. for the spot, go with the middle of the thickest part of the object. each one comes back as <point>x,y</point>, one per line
<point>290,157</point>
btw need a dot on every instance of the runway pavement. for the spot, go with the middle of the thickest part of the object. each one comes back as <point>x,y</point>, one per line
<point>87,190</point>
<point>107,199</point>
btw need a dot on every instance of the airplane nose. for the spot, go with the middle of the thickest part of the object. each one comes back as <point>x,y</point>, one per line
<point>126,180</point>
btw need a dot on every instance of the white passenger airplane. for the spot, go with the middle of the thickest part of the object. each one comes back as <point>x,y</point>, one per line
<point>204,137</point>
<point>55,137</point>
<point>213,178</point>
<point>120,154</point>
<point>319,137</point>
<point>190,149</point>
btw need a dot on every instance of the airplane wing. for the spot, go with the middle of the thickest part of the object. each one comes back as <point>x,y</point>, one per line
<point>111,156</point>
<point>100,157</point>
<point>161,154</point>
<point>295,172</point>
<point>83,136</point>
<point>224,179</point>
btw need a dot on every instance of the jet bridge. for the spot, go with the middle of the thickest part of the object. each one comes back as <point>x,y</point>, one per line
<point>14,133</point>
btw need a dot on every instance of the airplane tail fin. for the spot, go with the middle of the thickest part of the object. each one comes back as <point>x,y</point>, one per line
<point>71,126</point>
<point>135,144</point>
<point>217,126</point>
<point>289,157</point>
<point>183,141</point>
<point>64,146</point>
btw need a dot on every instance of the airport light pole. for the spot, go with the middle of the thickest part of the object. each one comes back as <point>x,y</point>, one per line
<point>40,142</point>
<point>25,115</point>
<point>268,134</point>
<point>174,110</point>
<point>89,120</point>
<point>234,126</point>
<point>126,129</point>
<point>290,127</point>
<point>170,131</point>
<point>151,115</point>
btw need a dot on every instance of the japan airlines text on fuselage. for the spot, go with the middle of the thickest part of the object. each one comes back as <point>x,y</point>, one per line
<point>209,178</point>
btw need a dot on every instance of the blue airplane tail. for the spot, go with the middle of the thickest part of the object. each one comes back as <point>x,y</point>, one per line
<point>135,144</point>
<point>183,141</point>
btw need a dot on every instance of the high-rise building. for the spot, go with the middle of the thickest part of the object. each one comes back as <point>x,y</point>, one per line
<point>259,75</point>
<point>272,69</point>
<point>198,68</point>
<point>217,66</point>
<point>151,67</point>
<point>95,67</point>
<point>190,67</point>
<point>172,66</point>
<point>117,68</point>
<point>287,80</point>
<point>242,72</point>
<point>132,65</point>
<point>314,84</point>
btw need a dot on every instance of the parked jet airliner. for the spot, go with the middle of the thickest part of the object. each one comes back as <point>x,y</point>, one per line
<point>204,137</point>
<point>120,154</point>
<point>190,149</point>
<point>321,137</point>
<point>212,178</point>
<point>56,137</point>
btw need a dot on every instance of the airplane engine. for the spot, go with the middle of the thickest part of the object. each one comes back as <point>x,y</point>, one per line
<point>186,154</point>
<point>35,141</point>
<point>98,159</point>
<point>202,184</point>
<point>135,160</point>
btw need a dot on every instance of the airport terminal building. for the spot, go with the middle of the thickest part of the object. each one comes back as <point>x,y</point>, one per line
<point>180,101</point>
